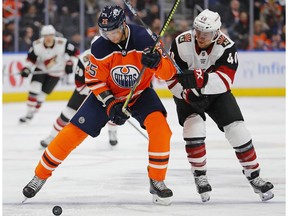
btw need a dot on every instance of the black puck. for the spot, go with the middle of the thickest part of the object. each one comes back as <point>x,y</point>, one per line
<point>57,210</point>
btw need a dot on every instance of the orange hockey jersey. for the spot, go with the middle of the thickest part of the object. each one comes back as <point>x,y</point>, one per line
<point>116,68</point>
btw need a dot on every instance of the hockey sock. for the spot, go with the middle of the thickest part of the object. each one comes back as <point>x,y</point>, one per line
<point>60,122</point>
<point>60,147</point>
<point>32,102</point>
<point>159,145</point>
<point>196,153</point>
<point>247,157</point>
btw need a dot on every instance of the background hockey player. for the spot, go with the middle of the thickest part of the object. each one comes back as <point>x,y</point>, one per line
<point>209,61</point>
<point>80,93</point>
<point>47,54</point>
<point>115,61</point>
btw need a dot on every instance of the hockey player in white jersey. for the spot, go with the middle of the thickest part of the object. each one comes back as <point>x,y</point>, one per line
<point>208,60</point>
<point>80,93</point>
<point>47,54</point>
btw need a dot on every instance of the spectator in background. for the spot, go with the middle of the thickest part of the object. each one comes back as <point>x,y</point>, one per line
<point>52,13</point>
<point>239,32</point>
<point>90,34</point>
<point>76,39</point>
<point>91,10</point>
<point>183,26</point>
<point>156,26</point>
<point>153,13</point>
<point>9,9</point>
<point>276,43</point>
<point>283,34</point>
<point>26,40</point>
<point>260,39</point>
<point>32,19</point>
<point>271,16</point>
<point>8,37</point>
<point>69,17</point>
<point>231,16</point>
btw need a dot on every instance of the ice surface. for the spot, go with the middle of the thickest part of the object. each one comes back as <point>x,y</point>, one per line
<point>98,180</point>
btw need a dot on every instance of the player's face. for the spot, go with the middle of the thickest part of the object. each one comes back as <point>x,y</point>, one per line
<point>48,40</point>
<point>115,35</point>
<point>203,38</point>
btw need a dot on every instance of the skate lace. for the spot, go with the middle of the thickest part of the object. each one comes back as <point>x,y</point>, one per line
<point>160,185</point>
<point>36,183</point>
<point>201,180</point>
<point>258,182</point>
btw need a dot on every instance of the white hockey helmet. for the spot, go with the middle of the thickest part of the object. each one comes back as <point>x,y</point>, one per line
<point>208,21</point>
<point>48,30</point>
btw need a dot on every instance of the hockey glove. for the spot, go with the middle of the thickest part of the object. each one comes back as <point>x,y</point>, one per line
<point>69,67</point>
<point>196,78</point>
<point>25,72</point>
<point>114,111</point>
<point>151,59</point>
<point>194,97</point>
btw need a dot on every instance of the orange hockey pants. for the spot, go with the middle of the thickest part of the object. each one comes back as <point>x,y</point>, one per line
<point>71,136</point>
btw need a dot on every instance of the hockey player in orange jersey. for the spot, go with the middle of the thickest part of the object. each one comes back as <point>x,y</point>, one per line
<point>115,63</point>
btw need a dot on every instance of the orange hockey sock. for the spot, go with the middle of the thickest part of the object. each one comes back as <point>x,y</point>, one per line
<point>159,145</point>
<point>60,147</point>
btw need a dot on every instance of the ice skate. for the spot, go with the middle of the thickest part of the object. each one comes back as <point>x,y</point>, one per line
<point>27,118</point>
<point>261,187</point>
<point>202,185</point>
<point>113,137</point>
<point>32,188</point>
<point>46,141</point>
<point>161,194</point>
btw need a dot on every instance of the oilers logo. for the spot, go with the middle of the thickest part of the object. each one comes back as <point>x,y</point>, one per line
<point>124,76</point>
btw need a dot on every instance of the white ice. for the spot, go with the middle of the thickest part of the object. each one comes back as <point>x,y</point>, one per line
<point>96,180</point>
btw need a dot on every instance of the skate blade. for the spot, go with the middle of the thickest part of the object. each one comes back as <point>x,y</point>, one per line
<point>266,196</point>
<point>205,197</point>
<point>24,199</point>
<point>161,201</point>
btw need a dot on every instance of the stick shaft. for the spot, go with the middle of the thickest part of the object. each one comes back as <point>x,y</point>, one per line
<point>133,125</point>
<point>36,72</point>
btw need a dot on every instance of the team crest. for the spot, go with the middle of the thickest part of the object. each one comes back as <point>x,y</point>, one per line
<point>222,40</point>
<point>124,76</point>
<point>50,62</point>
<point>185,38</point>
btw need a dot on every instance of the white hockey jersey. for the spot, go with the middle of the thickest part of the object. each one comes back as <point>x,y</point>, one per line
<point>53,58</point>
<point>219,60</point>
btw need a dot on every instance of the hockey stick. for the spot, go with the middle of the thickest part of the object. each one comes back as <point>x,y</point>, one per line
<point>36,72</point>
<point>133,125</point>
<point>164,28</point>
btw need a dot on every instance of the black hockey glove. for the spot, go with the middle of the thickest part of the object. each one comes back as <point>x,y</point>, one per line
<point>194,97</point>
<point>69,67</point>
<point>25,72</point>
<point>114,111</point>
<point>151,59</point>
<point>196,78</point>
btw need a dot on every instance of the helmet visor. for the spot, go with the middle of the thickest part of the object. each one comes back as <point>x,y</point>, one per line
<point>111,34</point>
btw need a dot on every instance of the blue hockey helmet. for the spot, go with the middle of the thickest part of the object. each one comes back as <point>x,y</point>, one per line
<point>111,17</point>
